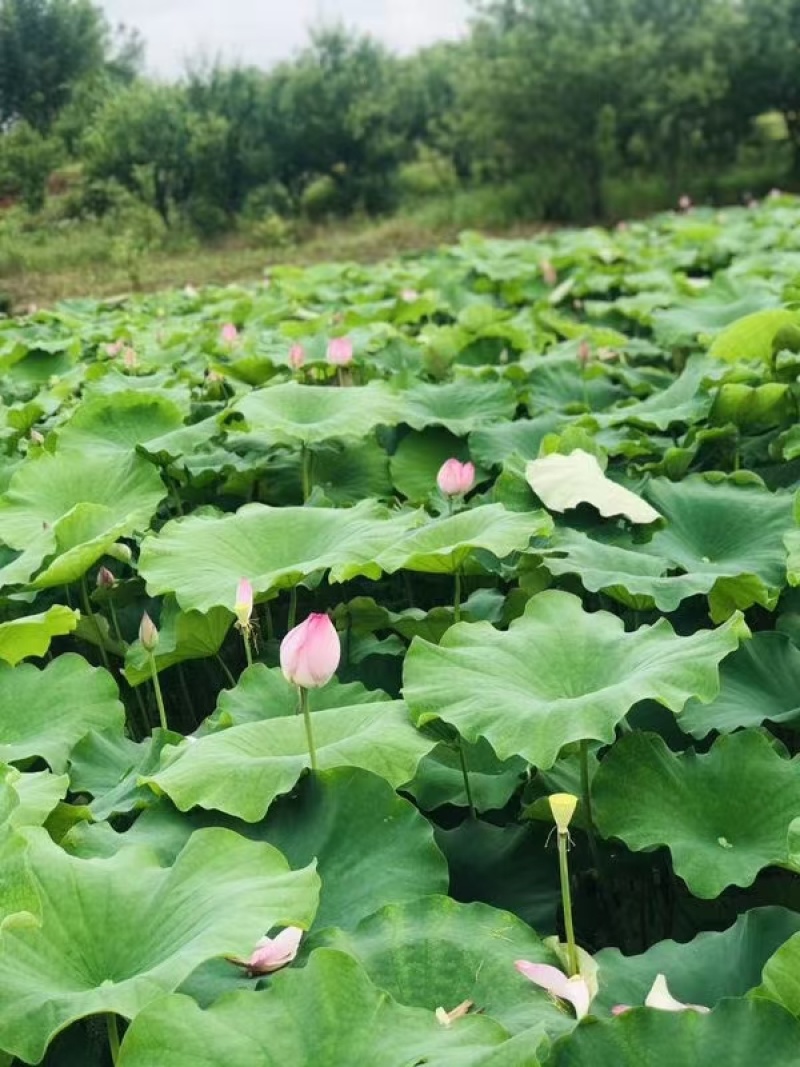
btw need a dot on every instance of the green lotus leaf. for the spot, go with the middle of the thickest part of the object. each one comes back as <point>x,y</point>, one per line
<point>202,558</point>
<point>435,951</point>
<point>327,1013</point>
<point>46,712</point>
<point>459,406</point>
<point>19,899</point>
<point>753,408</point>
<point>729,531</point>
<point>558,675</point>
<point>349,474</point>
<point>751,337</point>
<point>109,766</point>
<point>712,811</point>
<point>683,401</point>
<point>263,693</point>
<point>563,482</point>
<point>492,445</point>
<point>241,770</point>
<point>442,546</point>
<point>440,780</point>
<point>418,458</point>
<point>182,635</point>
<point>310,414</point>
<point>735,1033</point>
<point>32,634</point>
<point>218,898</point>
<point>70,512</point>
<point>780,977</point>
<point>120,422</point>
<point>759,682</point>
<point>702,971</point>
<point>37,793</point>
<point>722,304</point>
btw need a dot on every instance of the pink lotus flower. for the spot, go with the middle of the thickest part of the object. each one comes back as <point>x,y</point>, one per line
<point>114,348</point>
<point>310,653</point>
<point>148,634</point>
<point>660,997</point>
<point>272,953</point>
<point>575,990</point>
<point>229,335</point>
<point>105,579</point>
<point>409,296</point>
<point>549,273</point>
<point>455,478</point>
<point>685,203</point>
<point>297,356</point>
<point>340,351</point>
<point>584,353</point>
<point>243,607</point>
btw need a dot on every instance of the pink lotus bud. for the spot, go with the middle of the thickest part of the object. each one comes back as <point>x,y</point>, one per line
<point>272,953</point>
<point>549,273</point>
<point>37,438</point>
<point>455,478</point>
<point>685,203</point>
<point>409,295</point>
<point>584,353</point>
<point>574,990</point>
<point>340,351</point>
<point>105,579</point>
<point>129,358</point>
<point>622,226</point>
<point>310,652</point>
<point>244,602</point>
<point>148,634</point>
<point>229,335</point>
<point>297,356</point>
<point>114,348</point>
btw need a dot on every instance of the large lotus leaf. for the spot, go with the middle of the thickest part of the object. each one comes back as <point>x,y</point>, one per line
<point>32,634</point>
<point>611,567</point>
<point>752,337</point>
<point>120,422</point>
<point>36,793</point>
<point>182,635</point>
<point>459,406</point>
<point>560,674</point>
<point>759,682</point>
<point>684,401</point>
<point>736,1033</point>
<point>492,445</point>
<point>707,315</point>
<point>563,482</point>
<point>109,767</point>
<point>440,779</point>
<point>241,770</point>
<point>712,811</point>
<point>754,408</point>
<point>46,712</point>
<point>726,530</point>
<point>780,976</point>
<point>18,895</point>
<point>264,693</point>
<point>115,934</point>
<point>418,458</point>
<point>74,510</point>
<point>352,473</point>
<point>435,951</point>
<point>202,558</point>
<point>328,1014</point>
<point>309,414</point>
<point>703,971</point>
<point>442,546</point>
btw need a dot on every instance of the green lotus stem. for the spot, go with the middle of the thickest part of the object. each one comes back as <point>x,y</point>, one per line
<point>225,669</point>
<point>113,1036</point>
<point>162,715</point>
<point>457,596</point>
<point>462,759</point>
<point>566,900</point>
<point>247,650</point>
<point>312,752</point>
<point>586,793</point>
<point>133,688</point>
<point>87,607</point>
<point>268,623</point>
<point>292,608</point>
<point>307,460</point>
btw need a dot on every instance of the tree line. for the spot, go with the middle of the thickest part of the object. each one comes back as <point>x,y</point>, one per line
<point>559,98</point>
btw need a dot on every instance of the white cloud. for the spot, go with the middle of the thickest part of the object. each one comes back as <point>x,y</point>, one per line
<point>264,31</point>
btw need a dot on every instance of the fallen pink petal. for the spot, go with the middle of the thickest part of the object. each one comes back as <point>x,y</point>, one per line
<point>574,990</point>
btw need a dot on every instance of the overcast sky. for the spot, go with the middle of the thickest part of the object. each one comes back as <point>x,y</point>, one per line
<point>263,31</point>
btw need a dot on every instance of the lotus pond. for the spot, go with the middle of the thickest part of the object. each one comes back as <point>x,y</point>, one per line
<point>599,625</point>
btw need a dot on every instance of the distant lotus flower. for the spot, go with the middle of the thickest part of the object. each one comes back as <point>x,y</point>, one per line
<point>752,203</point>
<point>549,273</point>
<point>622,226</point>
<point>660,997</point>
<point>214,377</point>
<point>105,579</point>
<point>297,356</point>
<point>37,438</point>
<point>575,990</point>
<point>340,351</point>
<point>148,634</point>
<point>272,953</point>
<point>243,606</point>
<point>114,348</point>
<point>190,292</point>
<point>310,653</point>
<point>409,295</point>
<point>685,203</point>
<point>455,478</point>
<point>129,358</point>
<point>775,193</point>
<point>229,335</point>
<point>584,353</point>
<point>447,1018</point>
